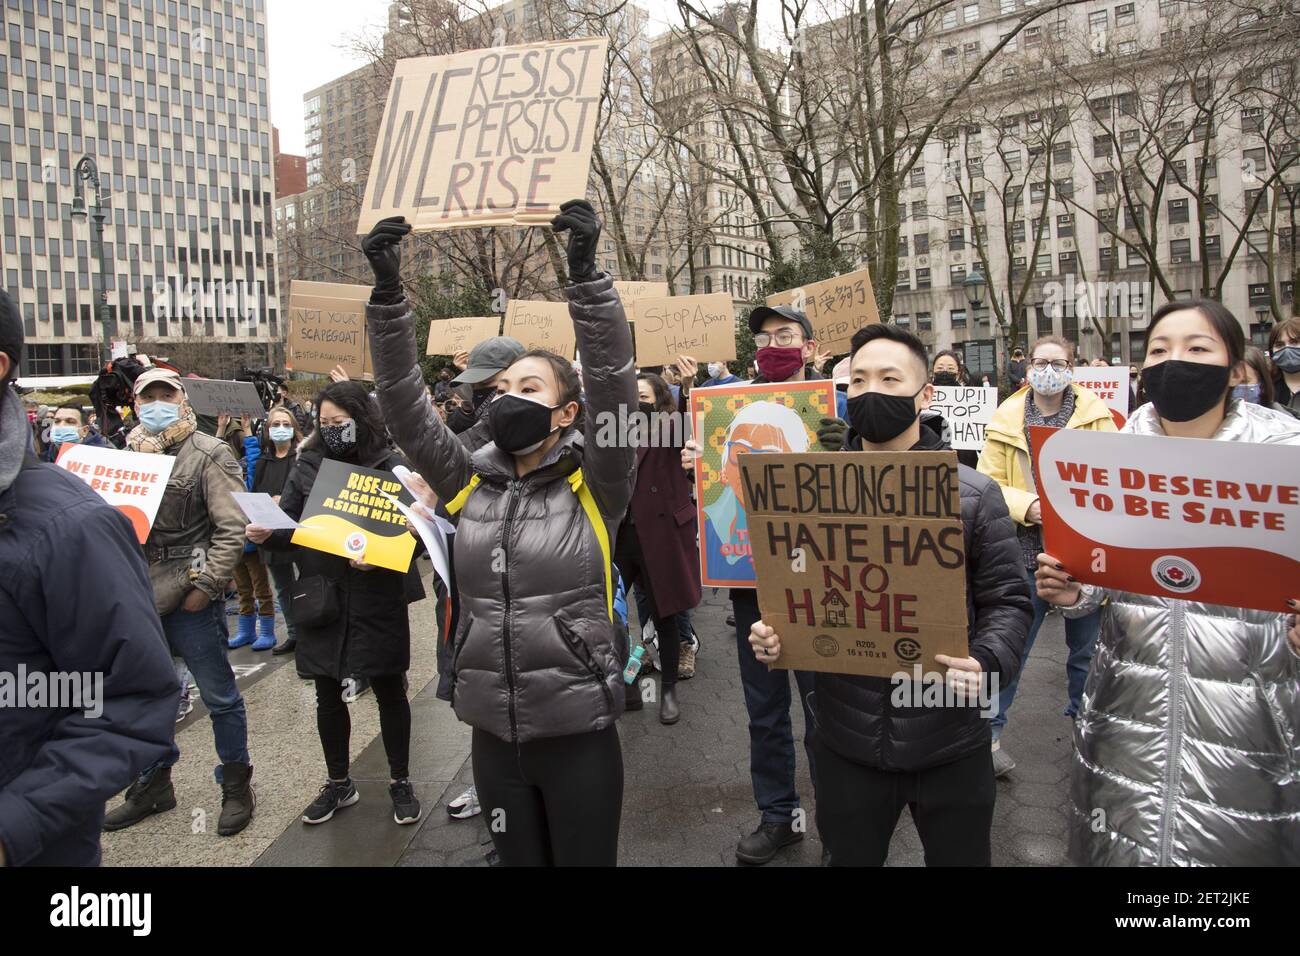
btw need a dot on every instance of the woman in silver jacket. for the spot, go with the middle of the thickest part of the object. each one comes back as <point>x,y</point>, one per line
<point>1186,749</point>
<point>538,658</point>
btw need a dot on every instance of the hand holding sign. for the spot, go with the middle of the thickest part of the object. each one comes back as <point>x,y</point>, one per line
<point>765,642</point>
<point>1055,586</point>
<point>578,218</point>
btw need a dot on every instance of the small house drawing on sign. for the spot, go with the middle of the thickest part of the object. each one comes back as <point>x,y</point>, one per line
<point>837,609</point>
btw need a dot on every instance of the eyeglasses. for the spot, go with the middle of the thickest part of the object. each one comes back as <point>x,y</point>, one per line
<point>783,338</point>
<point>1041,365</point>
<point>747,448</point>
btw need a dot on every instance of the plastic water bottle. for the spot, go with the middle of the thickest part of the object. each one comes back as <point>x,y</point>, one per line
<point>634,664</point>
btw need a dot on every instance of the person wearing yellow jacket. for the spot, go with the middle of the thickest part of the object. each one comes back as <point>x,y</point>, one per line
<point>1052,399</point>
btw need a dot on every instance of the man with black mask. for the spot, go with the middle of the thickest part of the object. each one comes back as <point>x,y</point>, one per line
<point>872,755</point>
<point>487,360</point>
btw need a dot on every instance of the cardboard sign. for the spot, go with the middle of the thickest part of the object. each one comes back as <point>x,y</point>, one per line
<point>836,307</point>
<point>730,421</point>
<point>214,396</point>
<point>327,327</point>
<point>351,513</point>
<point>701,326</point>
<point>486,137</point>
<point>631,290</point>
<point>132,482</point>
<point>968,409</point>
<point>861,558</point>
<point>1210,521</point>
<point>539,324</point>
<point>316,295</point>
<point>449,336</point>
<point>1111,385</point>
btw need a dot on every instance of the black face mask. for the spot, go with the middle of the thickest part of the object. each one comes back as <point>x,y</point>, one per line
<point>880,418</point>
<point>647,408</point>
<point>341,440</point>
<point>1183,391</point>
<point>945,378</point>
<point>519,425</point>
<point>459,418</point>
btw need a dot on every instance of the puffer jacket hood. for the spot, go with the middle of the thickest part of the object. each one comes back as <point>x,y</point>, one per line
<point>1187,747</point>
<point>536,653</point>
<point>857,717</point>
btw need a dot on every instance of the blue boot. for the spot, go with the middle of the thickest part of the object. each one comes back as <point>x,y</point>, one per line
<point>247,632</point>
<point>265,633</point>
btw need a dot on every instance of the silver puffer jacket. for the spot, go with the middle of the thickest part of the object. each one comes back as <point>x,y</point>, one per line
<point>1186,751</point>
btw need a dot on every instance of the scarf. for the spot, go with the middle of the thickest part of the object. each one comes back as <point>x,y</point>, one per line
<point>15,436</point>
<point>143,440</point>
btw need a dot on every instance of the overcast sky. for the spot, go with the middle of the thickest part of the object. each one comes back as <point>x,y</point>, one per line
<point>308,46</point>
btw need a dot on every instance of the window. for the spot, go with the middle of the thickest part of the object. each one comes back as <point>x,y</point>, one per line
<point>1098,20</point>
<point>1043,265</point>
<point>1124,15</point>
<point>1210,167</point>
<point>902,246</point>
<point>1105,258</point>
<point>917,177</point>
<point>958,318</point>
<point>923,321</point>
<point>1168,8</point>
<point>1018,231</point>
<point>922,281</point>
<point>921,243</point>
<point>1065,225</point>
<point>1102,146</point>
<point>1213,249</point>
<point>1105,183</point>
<point>970,12</point>
<point>977,201</point>
<point>1177,210</point>
<point>1251,119</point>
<point>1007,6</point>
<point>954,205</point>
<point>904,280</point>
<point>1068,261</point>
<point>956,274</point>
<point>1013,161</point>
<point>919,210</point>
<point>1210,205</point>
<point>846,190</point>
<point>1033,36</point>
<point>949,18</point>
<point>1180,250</point>
<point>902,321</point>
<point>956,240</point>
<point>1064,188</point>
<point>1126,47</point>
<point>1062,153</point>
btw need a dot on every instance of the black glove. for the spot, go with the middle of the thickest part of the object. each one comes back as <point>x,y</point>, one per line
<point>831,433</point>
<point>383,248</point>
<point>580,220</point>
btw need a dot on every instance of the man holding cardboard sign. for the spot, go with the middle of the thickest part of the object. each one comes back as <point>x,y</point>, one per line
<point>911,738</point>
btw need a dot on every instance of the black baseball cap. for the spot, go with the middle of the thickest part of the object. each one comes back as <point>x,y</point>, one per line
<point>11,332</point>
<point>765,312</point>
<point>490,358</point>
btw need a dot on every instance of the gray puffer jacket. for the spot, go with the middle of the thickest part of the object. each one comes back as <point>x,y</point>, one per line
<point>1187,749</point>
<point>536,654</point>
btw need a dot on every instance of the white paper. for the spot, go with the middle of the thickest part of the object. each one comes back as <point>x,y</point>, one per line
<point>404,476</point>
<point>263,511</point>
<point>433,536</point>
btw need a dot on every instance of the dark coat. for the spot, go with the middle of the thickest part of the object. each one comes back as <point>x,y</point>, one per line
<point>75,598</point>
<point>666,527</point>
<point>855,715</point>
<point>372,635</point>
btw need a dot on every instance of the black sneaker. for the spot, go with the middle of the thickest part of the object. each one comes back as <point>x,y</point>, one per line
<point>333,796</point>
<point>762,845</point>
<point>406,809</point>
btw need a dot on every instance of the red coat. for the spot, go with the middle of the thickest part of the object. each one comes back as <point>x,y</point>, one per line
<point>666,527</point>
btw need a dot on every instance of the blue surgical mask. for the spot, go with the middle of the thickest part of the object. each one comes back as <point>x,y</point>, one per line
<point>1249,393</point>
<point>281,433</point>
<point>59,434</point>
<point>157,416</point>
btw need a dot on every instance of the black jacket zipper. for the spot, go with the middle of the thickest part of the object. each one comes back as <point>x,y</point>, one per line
<point>584,657</point>
<point>506,652</point>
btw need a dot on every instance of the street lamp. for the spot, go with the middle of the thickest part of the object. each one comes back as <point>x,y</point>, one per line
<point>87,172</point>
<point>974,286</point>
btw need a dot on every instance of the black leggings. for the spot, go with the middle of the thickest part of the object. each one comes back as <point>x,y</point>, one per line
<point>335,726</point>
<point>632,566</point>
<point>551,802</point>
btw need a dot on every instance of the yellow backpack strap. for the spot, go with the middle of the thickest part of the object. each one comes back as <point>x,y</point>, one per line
<point>588,501</point>
<point>458,502</point>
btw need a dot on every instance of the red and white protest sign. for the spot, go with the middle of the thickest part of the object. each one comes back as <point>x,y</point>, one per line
<point>1111,385</point>
<point>130,481</point>
<point>1210,521</point>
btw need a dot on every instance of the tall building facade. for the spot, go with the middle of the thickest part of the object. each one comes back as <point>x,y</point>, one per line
<point>170,100</point>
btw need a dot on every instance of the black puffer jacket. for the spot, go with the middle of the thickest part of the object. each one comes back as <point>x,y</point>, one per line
<point>536,653</point>
<point>856,716</point>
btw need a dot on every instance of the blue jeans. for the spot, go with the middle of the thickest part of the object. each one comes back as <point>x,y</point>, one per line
<point>282,579</point>
<point>771,734</point>
<point>1080,637</point>
<point>196,637</point>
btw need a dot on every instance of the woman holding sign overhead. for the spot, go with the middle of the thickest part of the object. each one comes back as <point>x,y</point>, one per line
<point>350,617</point>
<point>1187,747</point>
<point>1054,400</point>
<point>539,653</point>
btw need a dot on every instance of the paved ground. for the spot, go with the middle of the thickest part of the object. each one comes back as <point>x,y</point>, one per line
<point>687,788</point>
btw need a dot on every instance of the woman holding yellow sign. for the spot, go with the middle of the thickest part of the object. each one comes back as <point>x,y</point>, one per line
<point>1186,747</point>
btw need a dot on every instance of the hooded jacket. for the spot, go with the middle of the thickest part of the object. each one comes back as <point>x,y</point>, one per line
<point>1187,746</point>
<point>857,717</point>
<point>536,653</point>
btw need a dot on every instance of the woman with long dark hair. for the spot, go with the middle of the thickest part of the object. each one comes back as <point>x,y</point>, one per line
<point>1185,746</point>
<point>280,440</point>
<point>364,632</point>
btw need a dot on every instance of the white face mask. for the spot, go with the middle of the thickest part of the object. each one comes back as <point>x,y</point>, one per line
<point>1049,381</point>
<point>715,370</point>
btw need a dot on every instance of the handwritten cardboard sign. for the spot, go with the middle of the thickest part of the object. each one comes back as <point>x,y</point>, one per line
<point>351,513</point>
<point>701,326</point>
<point>629,290</point>
<point>730,422</point>
<point>214,396</point>
<point>327,327</point>
<point>486,137</point>
<point>836,307</point>
<point>861,558</point>
<point>449,336</point>
<point>1111,385</point>
<point>540,324</point>
<point>968,409</point>
<point>1210,521</point>
<point>132,482</point>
